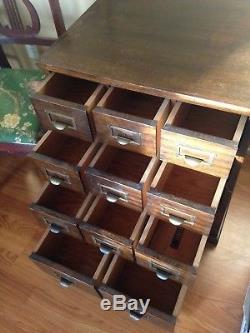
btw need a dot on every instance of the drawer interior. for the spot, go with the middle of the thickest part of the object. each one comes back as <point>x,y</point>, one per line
<point>70,252</point>
<point>208,121</point>
<point>64,148</point>
<point>176,242</point>
<point>133,103</point>
<point>114,218</point>
<point>138,282</point>
<point>61,200</point>
<point>69,88</point>
<point>188,184</point>
<point>121,163</point>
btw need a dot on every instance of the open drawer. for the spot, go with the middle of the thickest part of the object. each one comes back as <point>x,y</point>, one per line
<point>64,103</point>
<point>63,159</point>
<point>112,227</point>
<point>186,197</point>
<point>71,261</point>
<point>121,176</point>
<point>131,119</point>
<point>170,251</point>
<point>124,277</point>
<point>201,138</point>
<point>61,208</point>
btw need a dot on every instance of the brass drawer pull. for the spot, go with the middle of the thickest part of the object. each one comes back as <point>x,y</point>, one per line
<point>55,178</point>
<point>105,249</point>
<point>65,283</point>
<point>59,126</point>
<point>194,157</point>
<point>55,181</point>
<point>193,161</point>
<point>61,121</point>
<point>134,315</point>
<point>175,220</point>
<point>161,273</point>
<point>55,229</point>
<point>112,197</point>
<point>123,141</point>
<point>124,136</point>
<point>171,214</point>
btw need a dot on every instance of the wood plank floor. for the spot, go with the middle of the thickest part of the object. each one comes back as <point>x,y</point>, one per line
<point>31,301</point>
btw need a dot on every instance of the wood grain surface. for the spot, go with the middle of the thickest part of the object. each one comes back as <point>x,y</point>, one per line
<point>31,301</point>
<point>194,51</point>
<point>68,102</point>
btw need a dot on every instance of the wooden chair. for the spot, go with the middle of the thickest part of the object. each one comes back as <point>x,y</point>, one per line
<point>19,126</point>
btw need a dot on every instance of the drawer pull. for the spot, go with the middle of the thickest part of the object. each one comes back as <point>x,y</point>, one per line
<point>55,178</point>
<point>112,197</point>
<point>56,229</point>
<point>134,315</point>
<point>175,220</point>
<point>105,249</point>
<point>194,157</point>
<point>55,181</point>
<point>123,141</point>
<point>192,161</point>
<point>65,283</point>
<point>162,275</point>
<point>125,136</point>
<point>160,272</point>
<point>59,126</point>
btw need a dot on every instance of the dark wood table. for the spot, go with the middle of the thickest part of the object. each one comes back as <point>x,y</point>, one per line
<point>196,51</point>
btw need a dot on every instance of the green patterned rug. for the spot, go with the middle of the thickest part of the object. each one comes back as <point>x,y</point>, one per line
<point>18,121</point>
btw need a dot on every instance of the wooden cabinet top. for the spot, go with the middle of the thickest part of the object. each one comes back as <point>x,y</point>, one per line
<point>196,51</point>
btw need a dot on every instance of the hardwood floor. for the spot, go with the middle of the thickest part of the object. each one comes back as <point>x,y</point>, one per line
<point>31,301</point>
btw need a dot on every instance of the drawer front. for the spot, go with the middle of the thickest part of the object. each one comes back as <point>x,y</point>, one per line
<point>55,223</point>
<point>152,314</point>
<point>107,243</point>
<point>164,268</point>
<point>62,116</point>
<point>156,317</point>
<point>65,277</point>
<point>113,190</point>
<point>191,152</point>
<point>121,132</point>
<point>59,173</point>
<point>192,217</point>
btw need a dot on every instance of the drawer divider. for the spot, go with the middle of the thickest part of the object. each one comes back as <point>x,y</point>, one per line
<point>240,128</point>
<point>218,193</point>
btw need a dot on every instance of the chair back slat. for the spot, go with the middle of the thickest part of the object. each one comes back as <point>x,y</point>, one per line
<point>16,32</point>
<point>57,16</point>
<point>13,15</point>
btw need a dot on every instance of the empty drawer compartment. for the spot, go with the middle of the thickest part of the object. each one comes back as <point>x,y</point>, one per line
<point>112,227</point>
<point>121,176</point>
<point>71,261</point>
<point>170,251</point>
<point>201,138</point>
<point>186,197</point>
<point>126,278</point>
<point>63,159</point>
<point>65,103</point>
<point>61,208</point>
<point>131,120</point>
